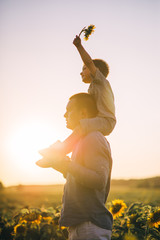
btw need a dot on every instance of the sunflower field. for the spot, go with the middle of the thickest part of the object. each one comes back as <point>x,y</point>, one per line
<point>134,222</point>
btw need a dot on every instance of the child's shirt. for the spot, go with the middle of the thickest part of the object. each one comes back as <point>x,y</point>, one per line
<point>105,121</point>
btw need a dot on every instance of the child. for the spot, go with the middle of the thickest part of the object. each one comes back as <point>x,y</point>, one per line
<point>93,72</point>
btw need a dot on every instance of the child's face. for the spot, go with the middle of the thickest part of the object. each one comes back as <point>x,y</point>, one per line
<point>86,75</point>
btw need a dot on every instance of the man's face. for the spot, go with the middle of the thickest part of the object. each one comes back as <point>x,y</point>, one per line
<point>86,75</point>
<point>72,115</point>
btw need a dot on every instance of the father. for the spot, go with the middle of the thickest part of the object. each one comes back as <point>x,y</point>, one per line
<point>88,174</point>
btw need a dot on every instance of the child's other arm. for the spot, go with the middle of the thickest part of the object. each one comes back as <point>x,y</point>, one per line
<point>87,60</point>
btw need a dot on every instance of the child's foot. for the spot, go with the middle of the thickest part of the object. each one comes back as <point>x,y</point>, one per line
<point>50,157</point>
<point>45,162</point>
<point>56,148</point>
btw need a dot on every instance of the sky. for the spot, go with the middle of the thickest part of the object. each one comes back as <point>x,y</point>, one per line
<point>40,69</point>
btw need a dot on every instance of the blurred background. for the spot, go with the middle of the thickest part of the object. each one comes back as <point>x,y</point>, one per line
<point>40,69</point>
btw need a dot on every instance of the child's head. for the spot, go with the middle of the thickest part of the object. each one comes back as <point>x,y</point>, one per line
<point>86,75</point>
<point>102,66</point>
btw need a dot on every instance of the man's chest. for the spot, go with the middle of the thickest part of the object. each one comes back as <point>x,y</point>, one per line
<point>78,153</point>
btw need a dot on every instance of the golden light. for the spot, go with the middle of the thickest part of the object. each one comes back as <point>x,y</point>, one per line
<point>25,142</point>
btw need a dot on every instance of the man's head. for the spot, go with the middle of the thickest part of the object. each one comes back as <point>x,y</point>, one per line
<point>100,64</point>
<point>81,105</point>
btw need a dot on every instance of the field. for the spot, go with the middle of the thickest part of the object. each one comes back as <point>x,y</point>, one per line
<point>50,196</point>
<point>28,212</point>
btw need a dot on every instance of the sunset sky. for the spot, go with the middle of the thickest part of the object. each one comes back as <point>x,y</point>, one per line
<point>40,69</point>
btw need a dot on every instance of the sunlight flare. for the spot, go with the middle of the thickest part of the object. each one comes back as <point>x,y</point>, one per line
<point>25,142</point>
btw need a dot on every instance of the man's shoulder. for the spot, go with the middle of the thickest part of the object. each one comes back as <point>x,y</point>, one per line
<point>95,139</point>
<point>94,144</point>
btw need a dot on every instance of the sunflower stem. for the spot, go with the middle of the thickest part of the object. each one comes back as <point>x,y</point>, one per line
<point>146,232</point>
<point>81,31</point>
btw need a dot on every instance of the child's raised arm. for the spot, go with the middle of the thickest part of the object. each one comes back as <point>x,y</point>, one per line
<point>87,60</point>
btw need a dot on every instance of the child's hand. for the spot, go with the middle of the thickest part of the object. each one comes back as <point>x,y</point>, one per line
<point>77,41</point>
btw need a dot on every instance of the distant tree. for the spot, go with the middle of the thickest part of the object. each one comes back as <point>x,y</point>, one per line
<point>1,185</point>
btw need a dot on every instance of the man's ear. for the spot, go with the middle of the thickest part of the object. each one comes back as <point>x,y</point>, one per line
<point>84,113</point>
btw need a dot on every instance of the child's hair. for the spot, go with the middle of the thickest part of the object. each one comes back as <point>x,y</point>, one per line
<point>102,66</point>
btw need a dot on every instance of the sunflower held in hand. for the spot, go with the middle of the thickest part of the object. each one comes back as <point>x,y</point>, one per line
<point>87,31</point>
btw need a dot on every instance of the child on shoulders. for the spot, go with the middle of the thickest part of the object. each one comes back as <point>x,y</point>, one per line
<point>94,72</point>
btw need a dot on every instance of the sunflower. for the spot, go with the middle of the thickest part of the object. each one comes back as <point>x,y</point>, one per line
<point>117,208</point>
<point>47,219</point>
<point>32,217</point>
<point>20,229</point>
<point>154,219</point>
<point>62,227</point>
<point>130,237</point>
<point>132,220</point>
<point>87,31</point>
<point>22,221</point>
<point>34,225</point>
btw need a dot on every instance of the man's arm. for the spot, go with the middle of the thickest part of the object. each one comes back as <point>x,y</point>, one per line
<point>96,162</point>
<point>96,157</point>
<point>96,179</point>
<point>92,177</point>
<point>87,60</point>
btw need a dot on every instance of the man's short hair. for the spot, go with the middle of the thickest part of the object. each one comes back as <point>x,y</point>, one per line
<point>87,101</point>
<point>102,66</point>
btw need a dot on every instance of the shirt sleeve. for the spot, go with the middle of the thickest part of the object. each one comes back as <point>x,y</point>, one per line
<point>105,121</point>
<point>96,162</point>
<point>101,90</point>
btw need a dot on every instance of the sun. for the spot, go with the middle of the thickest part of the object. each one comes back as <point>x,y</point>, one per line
<point>26,140</point>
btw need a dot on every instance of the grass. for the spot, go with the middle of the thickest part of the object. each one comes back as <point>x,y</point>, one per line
<point>14,198</point>
<point>129,195</point>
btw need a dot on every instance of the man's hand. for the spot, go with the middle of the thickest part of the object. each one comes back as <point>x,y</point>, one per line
<point>46,162</point>
<point>77,41</point>
<point>50,157</point>
<point>60,164</point>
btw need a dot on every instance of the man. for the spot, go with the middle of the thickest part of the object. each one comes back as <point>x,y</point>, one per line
<point>87,176</point>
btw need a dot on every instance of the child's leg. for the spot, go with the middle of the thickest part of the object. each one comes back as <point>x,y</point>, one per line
<point>101,124</point>
<point>69,143</point>
<point>59,149</point>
